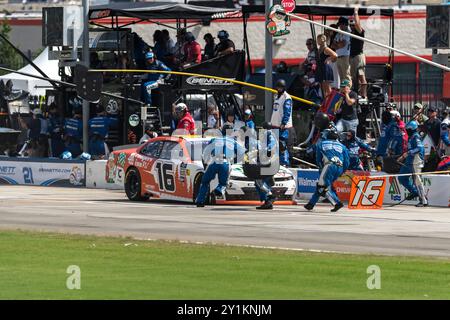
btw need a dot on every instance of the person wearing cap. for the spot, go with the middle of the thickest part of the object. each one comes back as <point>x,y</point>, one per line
<point>282,119</point>
<point>99,127</point>
<point>248,117</point>
<point>414,162</point>
<point>151,78</point>
<point>192,50</point>
<point>73,132</point>
<point>209,47</point>
<point>225,46</point>
<point>55,129</point>
<point>185,122</point>
<point>357,56</point>
<point>219,155</point>
<point>349,108</point>
<point>391,142</point>
<point>419,115</point>
<point>341,45</point>
<point>433,126</point>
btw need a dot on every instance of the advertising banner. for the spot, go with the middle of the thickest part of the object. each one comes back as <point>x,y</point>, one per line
<point>42,172</point>
<point>437,187</point>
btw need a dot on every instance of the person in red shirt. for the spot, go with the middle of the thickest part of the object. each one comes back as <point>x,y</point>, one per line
<point>185,120</point>
<point>192,50</point>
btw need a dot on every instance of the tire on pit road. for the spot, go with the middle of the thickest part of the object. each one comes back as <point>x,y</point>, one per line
<point>133,185</point>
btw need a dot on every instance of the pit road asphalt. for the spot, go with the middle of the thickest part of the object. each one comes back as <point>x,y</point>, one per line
<point>401,230</point>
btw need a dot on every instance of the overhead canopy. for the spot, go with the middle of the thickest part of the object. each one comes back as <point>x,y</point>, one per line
<point>155,10</point>
<point>322,10</point>
<point>35,87</point>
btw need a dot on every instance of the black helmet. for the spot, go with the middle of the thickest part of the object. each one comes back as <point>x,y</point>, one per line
<point>223,35</point>
<point>280,84</point>
<point>267,125</point>
<point>321,121</point>
<point>330,134</point>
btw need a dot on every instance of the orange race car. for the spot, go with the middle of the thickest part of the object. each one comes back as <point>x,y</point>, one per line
<point>171,168</point>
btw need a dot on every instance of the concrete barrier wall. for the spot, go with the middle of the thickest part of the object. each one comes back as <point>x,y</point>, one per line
<point>96,176</point>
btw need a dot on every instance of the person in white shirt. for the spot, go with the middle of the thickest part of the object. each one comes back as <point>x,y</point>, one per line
<point>341,45</point>
<point>282,119</point>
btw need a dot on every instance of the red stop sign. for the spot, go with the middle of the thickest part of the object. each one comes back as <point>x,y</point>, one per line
<point>288,5</point>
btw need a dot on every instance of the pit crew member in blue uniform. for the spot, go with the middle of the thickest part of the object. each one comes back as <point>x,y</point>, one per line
<point>282,119</point>
<point>219,154</point>
<point>354,144</point>
<point>152,78</point>
<point>413,164</point>
<point>391,137</point>
<point>98,131</point>
<point>333,159</point>
<point>248,117</point>
<point>73,133</point>
<point>264,186</point>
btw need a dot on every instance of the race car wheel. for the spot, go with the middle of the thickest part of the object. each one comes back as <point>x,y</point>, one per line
<point>133,185</point>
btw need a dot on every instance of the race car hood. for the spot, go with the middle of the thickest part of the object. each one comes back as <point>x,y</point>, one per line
<point>238,172</point>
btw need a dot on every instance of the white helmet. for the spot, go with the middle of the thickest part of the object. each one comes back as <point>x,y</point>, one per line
<point>395,114</point>
<point>179,108</point>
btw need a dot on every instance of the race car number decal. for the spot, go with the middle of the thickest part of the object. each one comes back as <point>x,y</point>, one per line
<point>166,179</point>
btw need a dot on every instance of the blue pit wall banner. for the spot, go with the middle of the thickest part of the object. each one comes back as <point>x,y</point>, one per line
<point>42,172</point>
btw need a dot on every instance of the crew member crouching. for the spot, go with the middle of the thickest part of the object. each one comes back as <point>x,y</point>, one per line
<point>332,157</point>
<point>219,154</point>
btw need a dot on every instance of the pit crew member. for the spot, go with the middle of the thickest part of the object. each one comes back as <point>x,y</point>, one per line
<point>333,159</point>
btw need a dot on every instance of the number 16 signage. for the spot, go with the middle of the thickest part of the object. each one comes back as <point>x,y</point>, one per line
<point>288,5</point>
<point>367,193</point>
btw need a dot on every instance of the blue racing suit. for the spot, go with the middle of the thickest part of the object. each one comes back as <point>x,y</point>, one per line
<point>353,147</point>
<point>391,138</point>
<point>333,159</point>
<point>414,164</point>
<point>55,127</point>
<point>152,78</point>
<point>73,130</point>
<point>250,124</point>
<point>98,131</point>
<point>220,154</point>
<point>264,186</point>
